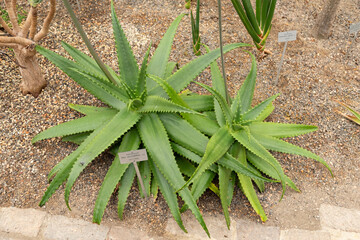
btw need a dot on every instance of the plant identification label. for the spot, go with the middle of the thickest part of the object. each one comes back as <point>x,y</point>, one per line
<point>354,28</point>
<point>287,36</point>
<point>133,156</point>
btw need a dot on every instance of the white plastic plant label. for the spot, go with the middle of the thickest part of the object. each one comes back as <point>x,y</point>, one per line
<point>133,156</point>
<point>287,36</point>
<point>355,28</point>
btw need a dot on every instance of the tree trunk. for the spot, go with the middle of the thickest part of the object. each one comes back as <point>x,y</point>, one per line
<point>322,29</point>
<point>32,78</point>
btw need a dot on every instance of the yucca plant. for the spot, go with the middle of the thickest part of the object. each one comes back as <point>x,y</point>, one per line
<point>237,132</point>
<point>134,119</point>
<point>356,115</point>
<point>258,22</point>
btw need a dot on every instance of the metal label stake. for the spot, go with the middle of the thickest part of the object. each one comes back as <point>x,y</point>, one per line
<point>134,157</point>
<point>284,37</point>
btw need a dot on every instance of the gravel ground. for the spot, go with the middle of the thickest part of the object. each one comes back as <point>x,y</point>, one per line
<point>314,74</point>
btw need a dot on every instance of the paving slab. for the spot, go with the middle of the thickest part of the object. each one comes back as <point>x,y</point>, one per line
<point>339,218</point>
<point>341,235</point>
<point>247,230</point>
<point>300,234</point>
<point>215,224</point>
<point>62,228</point>
<point>26,222</point>
<point>124,233</point>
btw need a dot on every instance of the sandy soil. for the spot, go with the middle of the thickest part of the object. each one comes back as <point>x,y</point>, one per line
<point>314,74</point>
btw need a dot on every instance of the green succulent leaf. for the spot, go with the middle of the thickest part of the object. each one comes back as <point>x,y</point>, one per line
<point>130,141</point>
<point>169,194</point>
<point>76,138</point>
<point>251,144</point>
<point>129,70</point>
<point>68,67</point>
<point>89,64</point>
<point>278,145</point>
<point>256,111</point>
<point>125,187</point>
<point>158,64</point>
<point>181,78</point>
<point>155,139</point>
<point>280,130</point>
<point>162,105</point>
<point>224,179</point>
<point>80,125</point>
<point>217,146</point>
<point>106,136</point>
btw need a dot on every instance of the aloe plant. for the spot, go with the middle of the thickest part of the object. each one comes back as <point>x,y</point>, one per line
<point>258,22</point>
<point>135,118</point>
<point>238,132</point>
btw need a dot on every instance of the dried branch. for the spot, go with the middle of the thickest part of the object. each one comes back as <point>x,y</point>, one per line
<point>8,45</point>
<point>6,27</point>
<point>33,24</point>
<point>16,40</point>
<point>27,24</point>
<point>45,29</point>
<point>11,9</point>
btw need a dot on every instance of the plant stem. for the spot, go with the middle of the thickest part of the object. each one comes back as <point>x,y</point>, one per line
<point>87,42</point>
<point>222,55</point>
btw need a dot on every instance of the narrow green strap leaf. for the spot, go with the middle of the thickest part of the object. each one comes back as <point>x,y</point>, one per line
<point>106,136</point>
<point>169,194</point>
<point>68,66</point>
<point>280,130</point>
<point>154,189</point>
<point>124,189</point>
<point>224,179</point>
<point>264,13</point>
<point>240,11</point>
<point>217,146</point>
<point>80,125</point>
<point>249,190</point>
<point>89,64</point>
<point>159,61</point>
<point>258,11</point>
<point>270,15</point>
<point>256,111</point>
<point>155,139</point>
<point>278,145</point>
<point>199,103</point>
<point>130,141</point>
<point>222,102</point>
<point>129,70</point>
<point>266,168</point>
<point>162,105</point>
<point>250,143</point>
<point>251,16</point>
<point>180,79</point>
